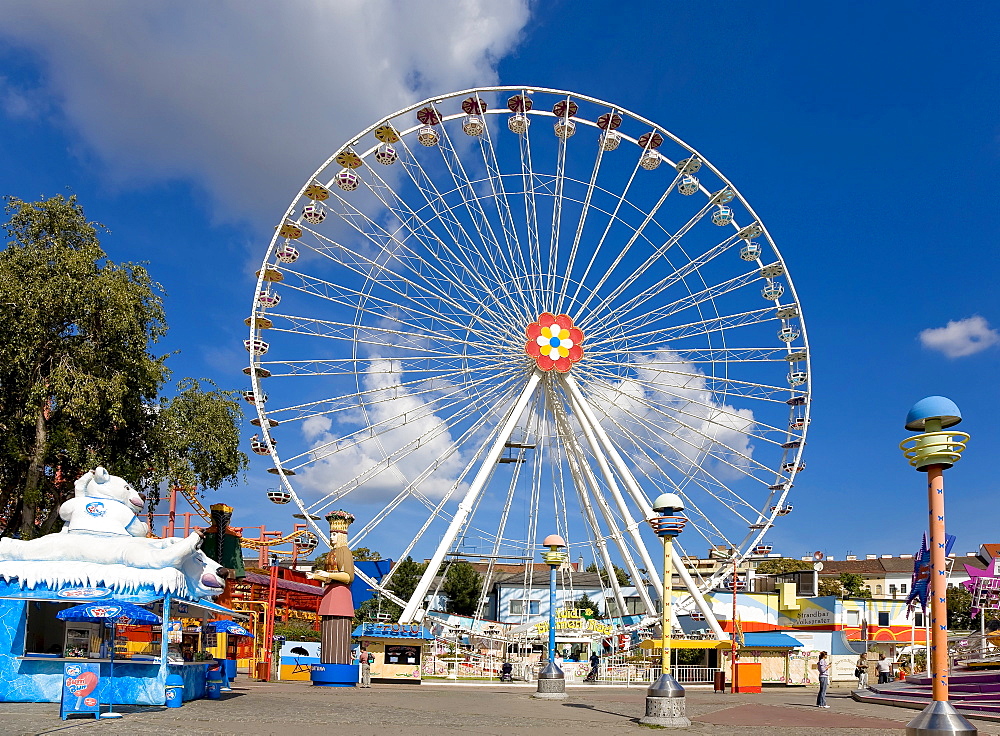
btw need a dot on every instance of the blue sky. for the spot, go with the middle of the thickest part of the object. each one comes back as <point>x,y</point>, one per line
<point>865,135</point>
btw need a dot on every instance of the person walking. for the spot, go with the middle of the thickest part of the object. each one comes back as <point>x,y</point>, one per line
<point>861,671</point>
<point>884,669</point>
<point>595,663</point>
<point>367,660</point>
<point>823,668</point>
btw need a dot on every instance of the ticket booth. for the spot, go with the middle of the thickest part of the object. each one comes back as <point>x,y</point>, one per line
<point>398,650</point>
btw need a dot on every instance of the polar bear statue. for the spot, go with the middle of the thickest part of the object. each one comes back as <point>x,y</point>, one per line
<point>104,505</point>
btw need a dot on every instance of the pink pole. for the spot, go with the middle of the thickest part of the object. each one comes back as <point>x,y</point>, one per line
<point>939,583</point>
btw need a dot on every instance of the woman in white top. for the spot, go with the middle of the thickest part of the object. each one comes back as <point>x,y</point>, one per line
<point>823,667</point>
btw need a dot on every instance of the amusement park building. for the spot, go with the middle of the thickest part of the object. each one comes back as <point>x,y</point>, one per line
<point>886,576</point>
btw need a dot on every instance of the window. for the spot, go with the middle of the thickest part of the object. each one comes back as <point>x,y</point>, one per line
<point>918,619</point>
<point>45,634</point>
<point>883,618</point>
<point>878,590</point>
<point>892,590</point>
<point>400,654</point>
<point>902,588</point>
<point>520,607</point>
<point>852,618</point>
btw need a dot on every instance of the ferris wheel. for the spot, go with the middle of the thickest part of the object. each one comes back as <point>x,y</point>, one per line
<point>509,311</point>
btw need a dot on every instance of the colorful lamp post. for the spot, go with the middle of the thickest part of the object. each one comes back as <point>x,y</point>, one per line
<point>551,680</point>
<point>933,452</point>
<point>665,705</point>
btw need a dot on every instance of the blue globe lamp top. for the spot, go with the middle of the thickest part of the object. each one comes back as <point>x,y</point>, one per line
<point>933,407</point>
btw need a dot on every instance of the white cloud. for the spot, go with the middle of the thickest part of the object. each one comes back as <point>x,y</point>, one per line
<point>671,411</point>
<point>248,99</point>
<point>961,337</point>
<point>408,433</point>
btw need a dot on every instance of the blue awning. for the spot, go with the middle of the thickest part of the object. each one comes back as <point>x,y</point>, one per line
<point>769,639</point>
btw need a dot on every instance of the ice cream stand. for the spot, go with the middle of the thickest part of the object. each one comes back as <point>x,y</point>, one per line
<point>397,649</point>
<point>102,553</point>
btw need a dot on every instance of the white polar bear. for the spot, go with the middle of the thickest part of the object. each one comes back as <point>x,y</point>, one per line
<point>104,505</point>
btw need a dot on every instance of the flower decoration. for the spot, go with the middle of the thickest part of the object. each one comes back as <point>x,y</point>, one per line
<point>554,342</point>
<point>339,520</point>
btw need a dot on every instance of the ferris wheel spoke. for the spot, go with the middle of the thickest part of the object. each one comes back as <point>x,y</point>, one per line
<point>502,268</point>
<point>721,386</point>
<point>385,309</point>
<point>405,343</point>
<point>687,396</point>
<point>699,328</point>
<point>431,406</point>
<point>350,366</point>
<point>411,489</point>
<point>437,511</point>
<point>691,356</point>
<point>658,459</point>
<point>645,315</point>
<point>604,236</point>
<point>415,388</point>
<point>391,247</point>
<point>531,217</point>
<point>557,203</point>
<point>639,303</point>
<point>374,430</point>
<point>422,230</point>
<point>399,284</point>
<point>708,446</point>
<point>477,259</point>
<point>654,259</point>
<point>508,227</point>
<point>637,273</point>
<point>584,211</point>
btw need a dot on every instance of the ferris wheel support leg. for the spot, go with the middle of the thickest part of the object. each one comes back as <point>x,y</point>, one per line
<point>589,431</point>
<point>640,499</point>
<point>409,614</point>
<point>584,480</point>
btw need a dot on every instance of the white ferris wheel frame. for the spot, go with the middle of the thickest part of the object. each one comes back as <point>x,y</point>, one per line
<point>601,448</point>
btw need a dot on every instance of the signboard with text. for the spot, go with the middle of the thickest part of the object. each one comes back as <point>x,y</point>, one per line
<point>81,683</point>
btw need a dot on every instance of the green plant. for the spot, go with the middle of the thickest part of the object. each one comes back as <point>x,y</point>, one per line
<point>296,630</point>
<point>782,565</point>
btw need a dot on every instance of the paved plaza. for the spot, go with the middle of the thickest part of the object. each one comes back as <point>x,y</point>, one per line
<point>297,709</point>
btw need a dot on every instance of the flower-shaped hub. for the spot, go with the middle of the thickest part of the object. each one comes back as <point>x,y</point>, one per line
<point>554,342</point>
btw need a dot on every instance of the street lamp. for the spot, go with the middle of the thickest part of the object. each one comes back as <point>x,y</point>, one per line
<point>551,680</point>
<point>665,705</point>
<point>933,452</point>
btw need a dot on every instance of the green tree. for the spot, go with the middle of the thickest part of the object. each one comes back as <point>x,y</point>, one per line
<point>959,609</point>
<point>196,438</point>
<point>621,575</point>
<point>405,576</point>
<point>377,608</point>
<point>585,603</point>
<point>79,386</point>
<point>78,377</point>
<point>830,586</point>
<point>853,585</point>
<point>462,585</point>
<point>296,631</point>
<point>782,565</point>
